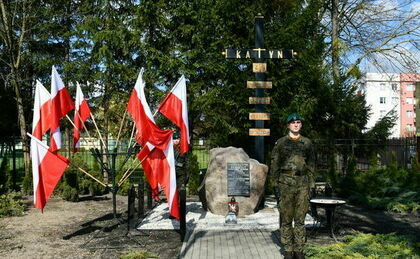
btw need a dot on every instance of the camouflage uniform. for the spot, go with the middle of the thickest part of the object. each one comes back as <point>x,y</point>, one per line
<point>180,164</point>
<point>292,169</point>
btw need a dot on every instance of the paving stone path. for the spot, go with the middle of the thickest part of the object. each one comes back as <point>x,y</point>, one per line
<point>208,236</point>
<point>231,244</point>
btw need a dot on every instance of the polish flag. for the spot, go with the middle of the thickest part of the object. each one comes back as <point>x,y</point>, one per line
<point>61,104</point>
<point>157,155</point>
<point>47,169</point>
<point>81,114</point>
<point>159,167</point>
<point>147,130</point>
<point>174,107</point>
<point>148,170</point>
<point>40,121</point>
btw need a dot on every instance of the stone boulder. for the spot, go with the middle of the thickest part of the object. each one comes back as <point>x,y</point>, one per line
<point>213,189</point>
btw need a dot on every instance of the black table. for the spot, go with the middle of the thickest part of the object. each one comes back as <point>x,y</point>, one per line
<point>329,204</point>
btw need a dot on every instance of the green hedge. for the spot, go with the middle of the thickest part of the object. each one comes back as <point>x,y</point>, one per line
<point>371,246</point>
<point>389,188</point>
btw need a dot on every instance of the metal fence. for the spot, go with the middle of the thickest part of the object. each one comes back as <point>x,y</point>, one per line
<point>365,152</point>
<point>336,152</point>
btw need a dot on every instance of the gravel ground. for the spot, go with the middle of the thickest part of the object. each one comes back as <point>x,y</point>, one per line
<point>85,229</point>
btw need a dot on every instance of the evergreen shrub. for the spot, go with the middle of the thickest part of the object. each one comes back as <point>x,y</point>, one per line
<point>195,176</point>
<point>362,245</point>
<point>389,188</point>
<point>5,176</point>
<point>75,183</point>
<point>11,204</point>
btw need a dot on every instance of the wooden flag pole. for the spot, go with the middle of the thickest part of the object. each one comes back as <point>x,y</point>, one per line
<point>72,123</point>
<point>119,131</point>
<point>127,175</point>
<point>100,135</point>
<point>91,176</point>
<point>70,162</point>
<point>131,136</point>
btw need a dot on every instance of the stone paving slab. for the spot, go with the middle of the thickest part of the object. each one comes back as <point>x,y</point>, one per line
<point>208,236</point>
<point>232,244</point>
<point>199,219</point>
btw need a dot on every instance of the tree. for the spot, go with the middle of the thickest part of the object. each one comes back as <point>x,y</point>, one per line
<point>15,24</point>
<point>382,32</point>
<point>104,55</point>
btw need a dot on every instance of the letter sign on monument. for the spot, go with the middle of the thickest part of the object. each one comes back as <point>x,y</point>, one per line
<point>259,54</point>
<point>238,181</point>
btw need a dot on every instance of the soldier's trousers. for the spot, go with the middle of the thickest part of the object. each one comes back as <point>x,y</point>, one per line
<point>293,205</point>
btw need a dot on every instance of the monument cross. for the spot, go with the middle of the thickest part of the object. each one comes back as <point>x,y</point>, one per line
<point>259,54</point>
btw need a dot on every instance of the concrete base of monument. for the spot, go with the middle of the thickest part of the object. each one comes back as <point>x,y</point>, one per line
<point>199,219</point>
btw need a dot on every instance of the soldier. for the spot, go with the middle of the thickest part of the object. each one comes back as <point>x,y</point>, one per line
<point>292,169</point>
<point>180,162</point>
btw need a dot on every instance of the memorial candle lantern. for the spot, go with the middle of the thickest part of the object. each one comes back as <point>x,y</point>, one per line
<point>233,206</point>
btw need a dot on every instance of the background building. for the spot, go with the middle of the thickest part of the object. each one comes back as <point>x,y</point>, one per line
<point>385,92</point>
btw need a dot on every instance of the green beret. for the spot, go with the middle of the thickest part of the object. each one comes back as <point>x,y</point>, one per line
<point>293,117</point>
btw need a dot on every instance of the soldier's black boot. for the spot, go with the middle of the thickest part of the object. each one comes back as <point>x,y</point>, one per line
<point>299,255</point>
<point>288,255</point>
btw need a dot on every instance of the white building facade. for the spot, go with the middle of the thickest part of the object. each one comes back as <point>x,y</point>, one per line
<point>383,94</point>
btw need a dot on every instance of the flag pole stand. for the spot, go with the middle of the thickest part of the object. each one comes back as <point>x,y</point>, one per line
<point>110,169</point>
<point>116,220</point>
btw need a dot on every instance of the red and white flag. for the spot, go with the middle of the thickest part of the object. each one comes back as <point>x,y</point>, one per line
<point>61,104</point>
<point>148,170</point>
<point>47,169</point>
<point>157,155</point>
<point>40,121</point>
<point>159,166</point>
<point>147,130</point>
<point>174,107</point>
<point>81,114</point>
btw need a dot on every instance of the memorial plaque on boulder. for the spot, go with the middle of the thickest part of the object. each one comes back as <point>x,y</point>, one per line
<point>238,179</point>
<point>219,183</point>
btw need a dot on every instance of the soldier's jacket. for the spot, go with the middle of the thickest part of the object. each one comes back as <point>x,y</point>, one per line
<point>180,164</point>
<point>292,159</point>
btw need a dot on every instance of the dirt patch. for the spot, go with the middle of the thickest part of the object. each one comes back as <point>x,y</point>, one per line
<point>86,229</point>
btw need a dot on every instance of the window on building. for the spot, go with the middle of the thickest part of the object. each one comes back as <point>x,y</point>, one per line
<point>394,87</point>
<point>382,100</point>
<point>382,87</point>
<point>409,114</point>
<point>409,88</point>
<point>382,113</point>
<point>395,100</point>
<point>410,127</point>
<point>409,100</point>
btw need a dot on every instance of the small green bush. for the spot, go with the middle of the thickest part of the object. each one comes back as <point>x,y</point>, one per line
<point>11,204</point>
<point>69,193</point>
<point>27,184</point>
<point>89,186</point>
<point>75,183</point>
<point>388,188</point>
<point>124,188</point>
<point>138,254</point>
<point>5,176</point>
<point>362,245</point>
<point>194,174</point>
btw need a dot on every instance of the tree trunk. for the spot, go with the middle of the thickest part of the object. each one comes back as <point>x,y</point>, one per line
<point>334,42</point>
<point>21,121</point>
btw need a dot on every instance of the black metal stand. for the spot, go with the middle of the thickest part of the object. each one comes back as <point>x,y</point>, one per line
<point>110,169</point>
<point>116,221</point>
<point>330,209</point>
